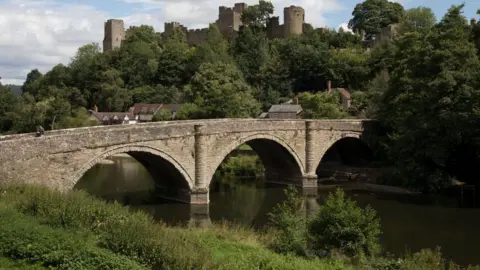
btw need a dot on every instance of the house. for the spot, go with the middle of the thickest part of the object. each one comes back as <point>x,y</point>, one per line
<point>284,111</point>
<point>145,112</point>
<point>174,108</point>
<point>112,118</point>
<point>345,95</point>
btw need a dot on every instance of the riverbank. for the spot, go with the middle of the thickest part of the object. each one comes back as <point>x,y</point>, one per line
<point>41,228</point>
<point>68,220</point>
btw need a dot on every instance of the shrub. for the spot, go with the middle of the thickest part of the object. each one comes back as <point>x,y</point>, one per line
<point>291,224</point>
<point>342,226</point>
<point>133,234</point>
<point>23,238</point>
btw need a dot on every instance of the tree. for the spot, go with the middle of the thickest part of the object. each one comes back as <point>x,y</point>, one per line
<point>419,19</point>
<point>257,16</point>
<point>215,48</point>
<point>434,94</point>
<point>274,80</point>
<point>221,92</point>
<point>371,16</point>
<point>321,105</point>
<point>32,83</point>
<point>174,60</point>
<point>250,50</point>
<point>342,226</point>
<point>288,219</point>
<point>162,115</point>
<point>8,103</point>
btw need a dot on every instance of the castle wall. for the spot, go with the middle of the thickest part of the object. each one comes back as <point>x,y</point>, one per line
<point>197,36</point>
<point>294,17</point>
<point>114,34</point>
<point>274,29</point>
<point>229,23</point>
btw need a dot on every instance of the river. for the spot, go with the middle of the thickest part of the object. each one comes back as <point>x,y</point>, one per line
<point>408,222</point>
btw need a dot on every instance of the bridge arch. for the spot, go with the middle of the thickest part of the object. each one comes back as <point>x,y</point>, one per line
<point>347,150</point>
<point>153,159</point>
<point>273,151</point>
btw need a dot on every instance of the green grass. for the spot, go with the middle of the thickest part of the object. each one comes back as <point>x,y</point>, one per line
<point>45,229</point>
<point>77,226</point>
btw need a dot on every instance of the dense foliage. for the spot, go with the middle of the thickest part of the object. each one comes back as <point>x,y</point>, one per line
<point>423,86</point>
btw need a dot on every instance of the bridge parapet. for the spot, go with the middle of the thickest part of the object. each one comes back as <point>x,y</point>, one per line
<point>60,157</point>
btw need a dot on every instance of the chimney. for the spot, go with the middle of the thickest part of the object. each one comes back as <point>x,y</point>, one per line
<point>95,108</point>
<point>473,22</point>
<point>329,86</point>
<point>295,100</point>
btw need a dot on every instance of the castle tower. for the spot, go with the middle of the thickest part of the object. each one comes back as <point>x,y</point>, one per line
<point>114,35</point>
<point>293,18</point>
<point>229,19</point>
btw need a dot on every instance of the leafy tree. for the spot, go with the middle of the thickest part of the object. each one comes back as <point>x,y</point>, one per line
<point>434,94</point>
<point>251,52</point>
<point>162,115</point>
<point>8,102</point>
<point>419,19</point>
<point>342,226</point>
<point>350,69</point>
<point>32,82</point>
<point>274,80</point>
<point>174,60</point>
<point>476,33</point>
<point>365,104</point>
<point>215,48</point>
<point>221,92</point>
<point>371,16</point>
<point>142,33</point>
<point>308,61</point>
<point>287,217</point>
<point>257,16</point>
<point>321,105</point>
<point>189,111</point>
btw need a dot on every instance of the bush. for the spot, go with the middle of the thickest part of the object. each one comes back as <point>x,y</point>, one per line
<point>342,226</point>
<point>132,234</point>
<point>291,224</point>
<point>242,166</point>
<point>23,239</point>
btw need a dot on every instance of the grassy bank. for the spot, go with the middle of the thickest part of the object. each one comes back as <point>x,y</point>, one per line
<point>75,227</point>
<point>41,228</point>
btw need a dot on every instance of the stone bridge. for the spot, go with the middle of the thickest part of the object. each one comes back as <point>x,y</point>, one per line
<point>179,154</point>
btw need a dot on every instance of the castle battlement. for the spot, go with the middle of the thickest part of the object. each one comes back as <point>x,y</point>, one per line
<point>228,22</point>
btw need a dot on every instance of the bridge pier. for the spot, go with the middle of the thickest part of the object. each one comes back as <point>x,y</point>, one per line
<point>200,194</point>
<point>199,216</point>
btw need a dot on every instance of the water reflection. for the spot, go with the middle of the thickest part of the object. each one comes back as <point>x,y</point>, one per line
<point>407,225</point>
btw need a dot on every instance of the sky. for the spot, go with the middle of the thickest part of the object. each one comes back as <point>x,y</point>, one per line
<point>42,33</point>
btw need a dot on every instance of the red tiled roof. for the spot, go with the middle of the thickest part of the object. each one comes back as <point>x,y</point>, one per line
<point>111,115</point>
<point>145,108</point>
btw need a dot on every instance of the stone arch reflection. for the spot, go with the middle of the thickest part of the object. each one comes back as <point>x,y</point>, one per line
<point>134,176</point>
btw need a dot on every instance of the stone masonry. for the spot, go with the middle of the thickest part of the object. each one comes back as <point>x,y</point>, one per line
<point>187,152</point>
<point>228,22</point>
<point>114,34</point>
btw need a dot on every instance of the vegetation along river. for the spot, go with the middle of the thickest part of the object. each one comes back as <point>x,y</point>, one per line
<point>409,222</point>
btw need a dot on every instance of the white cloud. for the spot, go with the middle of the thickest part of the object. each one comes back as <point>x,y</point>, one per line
<point>42,33</point>
<point>196,14</point>
<point>345,27</point>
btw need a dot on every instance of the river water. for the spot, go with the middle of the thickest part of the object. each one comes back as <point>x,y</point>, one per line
<point>408,223</point>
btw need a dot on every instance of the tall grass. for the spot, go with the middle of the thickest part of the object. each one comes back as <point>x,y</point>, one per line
<point>137,237</point>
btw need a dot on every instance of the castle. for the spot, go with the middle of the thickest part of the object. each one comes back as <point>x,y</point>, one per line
<point>228,22</point>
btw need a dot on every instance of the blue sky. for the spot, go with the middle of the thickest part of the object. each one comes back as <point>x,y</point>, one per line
<point>42,33</point>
